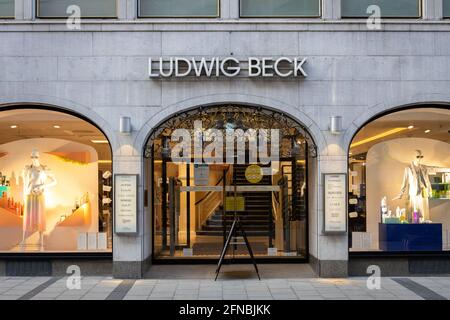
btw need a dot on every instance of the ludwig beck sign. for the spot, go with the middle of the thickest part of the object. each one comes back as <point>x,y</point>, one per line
<point>253,67</point>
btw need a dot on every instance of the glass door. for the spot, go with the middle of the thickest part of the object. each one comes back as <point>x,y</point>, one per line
<point>195,200</point>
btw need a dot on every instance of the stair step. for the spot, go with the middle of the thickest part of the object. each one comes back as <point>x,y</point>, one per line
<point>244,226</point>
<point>220,233</point>
<point>258,206</point>
<point>229,222</point>
<point>249,215</point>
<point>242,217</point>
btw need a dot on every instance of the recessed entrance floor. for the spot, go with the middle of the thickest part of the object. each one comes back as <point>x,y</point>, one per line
<point>230,271</point>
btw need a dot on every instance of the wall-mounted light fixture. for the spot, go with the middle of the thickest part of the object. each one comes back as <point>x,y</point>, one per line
<point>125,125</point>
<point>336,125</point>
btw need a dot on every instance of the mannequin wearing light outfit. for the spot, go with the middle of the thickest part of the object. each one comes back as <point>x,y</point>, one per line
<point>417,184</point>
<point>36,179</point>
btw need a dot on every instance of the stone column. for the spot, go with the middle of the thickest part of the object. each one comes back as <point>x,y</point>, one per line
<point>24,9</point>
<point>131,256</point>
<point>331,9</point>
<point>328,253</point>
<point>233,8</point>
<point>127,9</point>
<point>433,9</point>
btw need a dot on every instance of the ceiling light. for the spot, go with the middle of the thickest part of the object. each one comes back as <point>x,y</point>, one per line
<point>13,126</point>
<point>56,126</point>
<point>100,141</point>
<point>104,161</point>
<point>378,136</point>
<point>411,127</point>
<point>427,131</point>
<point>350,153</point>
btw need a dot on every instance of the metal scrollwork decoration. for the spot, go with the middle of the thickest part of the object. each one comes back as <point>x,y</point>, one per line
<point>224,117</point>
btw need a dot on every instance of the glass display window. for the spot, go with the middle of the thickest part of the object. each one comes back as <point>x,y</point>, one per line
<point>399,178</point>
<point>55,183</point>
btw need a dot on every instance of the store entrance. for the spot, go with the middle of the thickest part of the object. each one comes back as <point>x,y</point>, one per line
<point>194,203</point>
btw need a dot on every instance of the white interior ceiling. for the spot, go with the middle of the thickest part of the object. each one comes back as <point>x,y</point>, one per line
<point>437,120</point>
<point>21,124</point>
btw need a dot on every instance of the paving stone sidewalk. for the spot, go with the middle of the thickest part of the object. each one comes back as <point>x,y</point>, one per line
<point>100,288</point>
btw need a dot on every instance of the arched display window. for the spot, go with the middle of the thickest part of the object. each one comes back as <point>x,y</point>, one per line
<point>399,182</point>
<point>208,165</point>
<point>55,183</point>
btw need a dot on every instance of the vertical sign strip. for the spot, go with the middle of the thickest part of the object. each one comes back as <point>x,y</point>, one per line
<point>125,203</point>
<point>335,203</point>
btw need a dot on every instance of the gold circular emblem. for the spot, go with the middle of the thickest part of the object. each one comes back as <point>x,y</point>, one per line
<point>253,173</point>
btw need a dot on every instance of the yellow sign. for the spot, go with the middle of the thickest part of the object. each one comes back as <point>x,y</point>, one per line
<point>253,173</point>
<point>230,204</point>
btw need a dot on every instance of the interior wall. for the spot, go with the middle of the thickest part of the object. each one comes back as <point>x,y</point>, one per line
<point>385,167</point>
<point>73,181</point>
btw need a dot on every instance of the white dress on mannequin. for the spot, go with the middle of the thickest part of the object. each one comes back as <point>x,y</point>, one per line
<point>34,215</point>
<point>36,178</point>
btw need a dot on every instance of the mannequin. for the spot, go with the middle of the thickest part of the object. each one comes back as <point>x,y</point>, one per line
<point>36,179</point>
<point>416,184</point>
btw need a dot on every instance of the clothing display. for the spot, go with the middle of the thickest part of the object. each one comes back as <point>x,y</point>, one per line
<point>416,184</point>
<point>34,215</point>
<point>36,178</point>
<point>51,190</point>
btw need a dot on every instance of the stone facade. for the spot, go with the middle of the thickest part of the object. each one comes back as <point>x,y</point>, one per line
<point>101,73</point>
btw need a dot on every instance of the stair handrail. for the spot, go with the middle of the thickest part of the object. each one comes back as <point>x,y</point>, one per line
<point>200,221</point>
<point>275,207</point>
<point>209,192</point>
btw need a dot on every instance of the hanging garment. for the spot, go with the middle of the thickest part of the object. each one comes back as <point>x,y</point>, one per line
<point>34,213</point>
<point>416,184</point>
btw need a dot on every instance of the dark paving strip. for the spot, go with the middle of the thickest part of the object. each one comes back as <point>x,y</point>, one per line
<point>121,290</point>
<point>39,288</point>
<point>419,289</point>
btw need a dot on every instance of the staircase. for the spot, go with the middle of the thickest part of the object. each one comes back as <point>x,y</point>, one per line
<point>258,210</point>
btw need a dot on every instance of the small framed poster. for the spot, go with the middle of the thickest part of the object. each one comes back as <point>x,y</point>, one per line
<point>335,203</point>
<point>125,204</point>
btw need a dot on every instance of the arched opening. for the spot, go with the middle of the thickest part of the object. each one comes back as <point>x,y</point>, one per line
<point>55,183</point>
<point>399,178</point>
<point>207,166</point>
